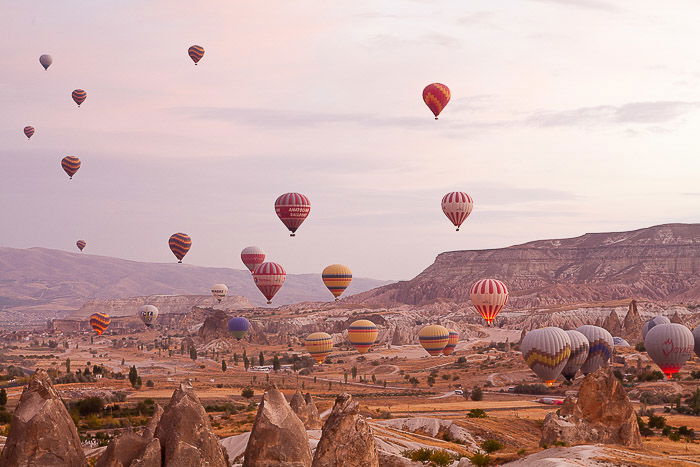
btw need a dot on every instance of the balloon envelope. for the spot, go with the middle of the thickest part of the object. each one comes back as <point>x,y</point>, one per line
<point>252,257</point>
<point>434,338</point>
<point>579,354</point>
<point>239,327</point>
<point>269,278</point>
<point>436,96</point>
<point>669,346</point>
<point>650,323</point>
<point>457,206</point>
<point>292,209</point>
<point>81,244</point>
<point>71,165</point>
<point>148,314</point>
<point>362,334</point>
<point>336,278</point>
<point>28,131</point>
<point>620,342</point>
<point>219,291</point>
<point>600,347</point>
<point>46,61</point>
<point>546,352</point>
<point>452,340</point>
<point>196,52</point>
<point>319,345</point>
<point>180,243</point>
<point>100,322</point>
<point>489,296</point>
<point>696,336</point>
<point>79,96</point>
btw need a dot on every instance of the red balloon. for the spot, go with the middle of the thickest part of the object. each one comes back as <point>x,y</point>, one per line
<point>28,131</point>
<point>436,96</point>
<point>292,209</point>
<point>269,277</point>
<point>489,296</point>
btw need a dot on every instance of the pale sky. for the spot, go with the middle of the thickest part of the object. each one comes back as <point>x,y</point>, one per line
<point>566,117</point>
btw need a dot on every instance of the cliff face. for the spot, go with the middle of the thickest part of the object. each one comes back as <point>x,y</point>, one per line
<point>660,263</point>
<point>166,304</point>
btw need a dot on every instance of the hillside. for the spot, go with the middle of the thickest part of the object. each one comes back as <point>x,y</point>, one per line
<point>660,263</point>
<point>43,280</point>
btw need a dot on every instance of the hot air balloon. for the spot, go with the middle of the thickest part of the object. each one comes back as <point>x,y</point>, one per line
<point>600,347</point>
<point>434,339</point>
<point>196,52</point>
<point>696,337</point>
<point>546,351</point>
<point>219,291</point>
<point>292,209</point>
<point>252,257</point>
<point>70,165</point>
<point>457,206</point>
<point>670,346</point>
<point>148,314</point>
<point>100,322</point>
<point>337,278</point>
<point>46,61</point>
<point>81,244</point>
<point>79,96</point>
<point>451,342</point>
<point>436,96</point>
<point>269,277</point>
<point>650,323</point>
<point>620,342</point>
<point>488,297</point>
<point>319,345</point>
<point>28,131</point>
<point>239,327</point>
<point>362,334</point>
<point>180,243</point>
<point>579,354</point>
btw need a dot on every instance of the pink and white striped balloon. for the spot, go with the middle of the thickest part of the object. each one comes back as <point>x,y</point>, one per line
<point>457,206</point>
<point>252,257</point>
<point>269,277</point>
<point>489,296</point>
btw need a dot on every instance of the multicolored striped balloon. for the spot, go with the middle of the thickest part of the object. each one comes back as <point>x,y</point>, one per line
<point>180,243</point>
<point>292,209</point>
<point>546,352</point>
<point>670,346</point>
<point>451,342</point>
<point>100,322</point>
<point>70,165</point>
<point>319,345</point>
<point>239,327</point>
<point>489,296</point>
<point>252,257</point>
<point>457,206</point>
<point>81,244</point>
<point>434,338</point>
<point>28,131</point>
<point>579,354</point>
<point>269,277</point>
<point>196,52</point>
<point>600,347</point>
<point>219,291</point>
<point>79,96</point>
<point>337,278</point>
<point>362,334</point>
<point>148,314</point>
<point>436,96</point>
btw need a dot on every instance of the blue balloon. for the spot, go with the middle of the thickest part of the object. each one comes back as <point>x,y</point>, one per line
<point>239,327</point>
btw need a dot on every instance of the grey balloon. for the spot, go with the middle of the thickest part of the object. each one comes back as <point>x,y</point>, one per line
<point>546,351</point>
<point>600,348</point>
<point>46,61</point>
<point>653,322</point>
<point>696,336</point>
<point>620,342</point>
<point>579,354</point>
<point>670,346</point>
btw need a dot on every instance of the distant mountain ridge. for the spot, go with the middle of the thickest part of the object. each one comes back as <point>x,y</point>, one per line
<point>40,279</point>
<point>660,263</point>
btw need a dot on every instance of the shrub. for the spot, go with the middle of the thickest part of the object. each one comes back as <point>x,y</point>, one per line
<point>480,459</point>
<point>89,405</point>
<point>5,417</point>
<point>476,413</point>
<point>674,436</point>
<point>531,389</point>
<point>657,421</point>
<point>418,455</point>
<point>477,394</point>
<point>441,458</point>
<point>639,347</point>
<point>491,445</point>
<point>247,393</point>
<point>150,383</point>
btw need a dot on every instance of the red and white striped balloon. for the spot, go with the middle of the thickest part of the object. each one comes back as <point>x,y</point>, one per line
<point>292,209</point>
<point>457,206</point>
<point>252,257</point>
<point>269,277</point>
<point>489,296</point>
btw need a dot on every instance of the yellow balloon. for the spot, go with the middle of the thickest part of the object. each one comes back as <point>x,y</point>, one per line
<point>362,334</point>
<point>337,278</point>
<point>319,345</point>
<point>434,338</point>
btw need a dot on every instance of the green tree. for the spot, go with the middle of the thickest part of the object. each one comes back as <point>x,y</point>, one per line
<point>133,376</point>
<point>247,393</point>
<point>276,365</point>
<point>193,353</point>
<point>3,397</point>
<point>246,363</point>
<point>223,365</point>
<point>139,383</point>
<point>345,376</point>
<point>353,371</point>
<point>477,393</point>
<point>67,365</point>
<point>261,357</point>
<point>235,359</point>
<point>123,362</point>
<point>491,445</point>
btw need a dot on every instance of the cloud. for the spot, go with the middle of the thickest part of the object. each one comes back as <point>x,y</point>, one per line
<point>429,39</point>
<point>588,4</point>
<point>634,112</point>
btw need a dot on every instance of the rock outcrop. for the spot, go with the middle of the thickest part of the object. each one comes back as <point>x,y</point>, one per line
<point>347,439</point>
<point>130,450</point>
<point>42,433</point>
<point>278,437</point>
<point>602,414</point>
<point>314,422</point>
<point>632,324</point>
<point>185,434</point>
<point>612,324</point>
